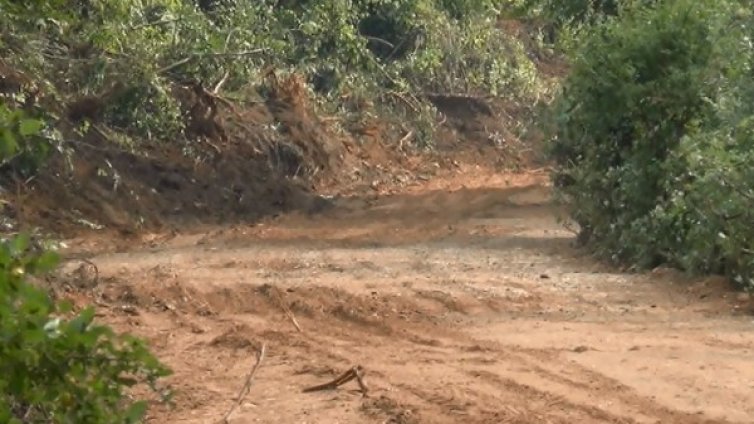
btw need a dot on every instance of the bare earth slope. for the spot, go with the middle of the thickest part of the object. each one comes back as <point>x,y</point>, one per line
<point>462,299</point>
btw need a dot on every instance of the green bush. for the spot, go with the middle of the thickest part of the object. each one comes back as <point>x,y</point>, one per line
<point>652,137</point>
<point>474,58</point>
<point>373,47</point>
<point>23,146</point>
<point>711,212</point>
<point>470,9</point>
<point>562,22</point>
<point>574,11</point>
<point>60,367</point>
<point>711,206</point>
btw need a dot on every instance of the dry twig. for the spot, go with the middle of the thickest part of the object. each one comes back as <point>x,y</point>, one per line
<point>194,56</point>
<point>220,84</point>
<point>247,385</point>
<point>400,96</point>
<point>405,139</point>
<point>380,40</point>
<point>356,372</point>
<point>286,309</point>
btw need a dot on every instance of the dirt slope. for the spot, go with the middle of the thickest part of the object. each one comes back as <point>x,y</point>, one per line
<point>463,300</point>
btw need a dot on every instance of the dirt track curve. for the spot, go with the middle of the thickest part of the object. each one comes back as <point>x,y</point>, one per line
<point>463,303</point>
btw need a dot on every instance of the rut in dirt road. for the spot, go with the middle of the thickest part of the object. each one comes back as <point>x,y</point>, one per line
<point>462,305</point>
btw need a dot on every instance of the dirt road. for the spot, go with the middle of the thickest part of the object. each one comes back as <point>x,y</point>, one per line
<point>462,299</point>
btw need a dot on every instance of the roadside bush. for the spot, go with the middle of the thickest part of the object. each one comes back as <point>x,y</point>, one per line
<point>652,134</point>
<point>711,206</point>
<point>562,22</point>
<point>475,58</point>
<point>711,213</point>
<point>470,9</point>
<point>57,366</point>
<point>25,141</point>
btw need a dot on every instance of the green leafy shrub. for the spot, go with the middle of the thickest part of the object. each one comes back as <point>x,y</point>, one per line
<point>476,58</point>
<point>711,206</point>
<point>711,213</point>
<point>60,367</point>
<point>562,22</point>
<point>574,11</point>
<point>374,47</point>
<point>652,137</point>
<point>25,141</point>
<point>470,9</point>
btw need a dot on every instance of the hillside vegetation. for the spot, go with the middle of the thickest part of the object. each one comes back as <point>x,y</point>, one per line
<point>135,104</point>
<point>117,66</point>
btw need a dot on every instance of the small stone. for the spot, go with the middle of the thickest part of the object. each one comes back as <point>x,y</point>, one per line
<point>130,310</point>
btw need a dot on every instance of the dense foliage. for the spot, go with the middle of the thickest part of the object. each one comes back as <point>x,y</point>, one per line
<point>130,54</point>
<point>25,141</point>
<point>563,13</point>
<point>653,137</point>
<point>60,367</point>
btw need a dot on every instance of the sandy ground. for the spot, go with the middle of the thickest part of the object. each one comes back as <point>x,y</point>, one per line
<point>463,300</point>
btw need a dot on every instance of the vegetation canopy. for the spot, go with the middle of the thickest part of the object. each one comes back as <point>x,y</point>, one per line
<point>652,137</point>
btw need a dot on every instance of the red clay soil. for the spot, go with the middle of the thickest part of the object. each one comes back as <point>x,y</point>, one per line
<point>462,298</point>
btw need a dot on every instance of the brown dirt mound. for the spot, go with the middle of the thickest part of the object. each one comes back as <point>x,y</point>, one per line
<point>245,162</point>
<point>238,167</point>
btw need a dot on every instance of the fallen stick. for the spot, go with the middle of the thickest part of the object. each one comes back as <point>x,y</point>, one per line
<point>405,139</point>
<point>360,379</point>
<point>356,372</point>
<point>287,310</point>
<point>293,320</point>
<point>220,84</point>
<point>247,385</point>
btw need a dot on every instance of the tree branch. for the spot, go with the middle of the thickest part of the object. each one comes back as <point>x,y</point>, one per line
<point>194,56</point>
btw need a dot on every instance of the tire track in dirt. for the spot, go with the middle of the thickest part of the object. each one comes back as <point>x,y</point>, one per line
<point>463,305</point>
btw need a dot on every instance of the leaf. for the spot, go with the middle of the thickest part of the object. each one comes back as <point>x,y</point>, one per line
<point>8,143</point>
<point>5,415</point>
<point>29,127</point>
<point>52,325</point>
<point>136,412</point>
<point>34,336</point>
<point>46,261</point>
<point>81,322</point>
<point>65,306</point>
<point>19,244</point>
